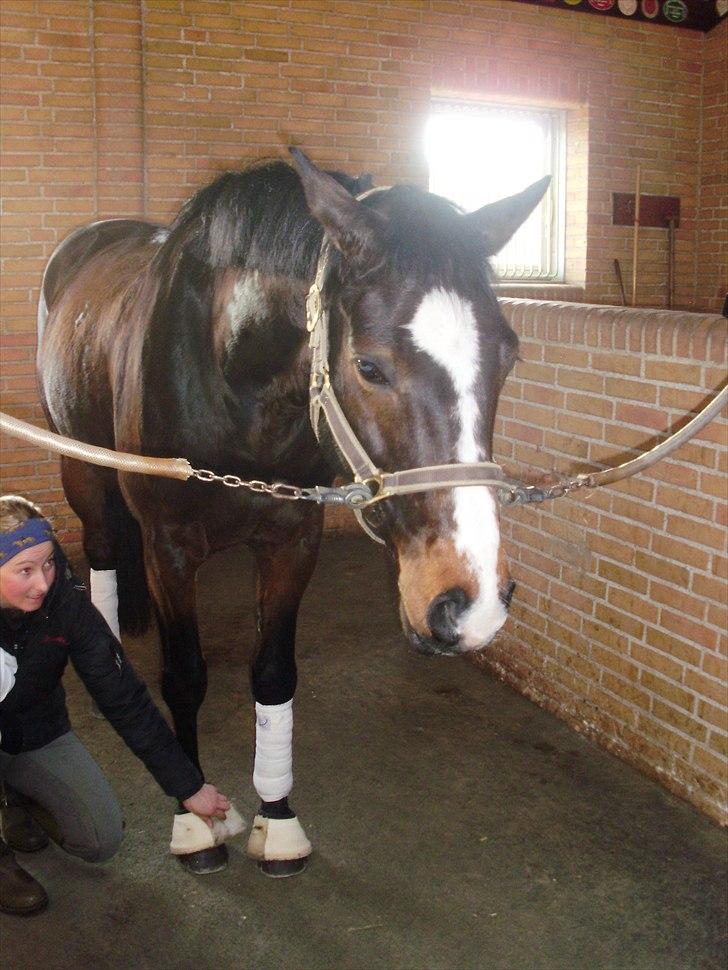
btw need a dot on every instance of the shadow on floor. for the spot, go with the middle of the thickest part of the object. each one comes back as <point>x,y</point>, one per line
<point>454,824</point>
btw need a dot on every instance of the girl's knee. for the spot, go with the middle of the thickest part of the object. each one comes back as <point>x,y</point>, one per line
<point>107,850</point>
<point>102,847</point>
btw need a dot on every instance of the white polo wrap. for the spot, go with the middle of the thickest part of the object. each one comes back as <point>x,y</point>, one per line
<point>105,597</point>
<point>273,770</point>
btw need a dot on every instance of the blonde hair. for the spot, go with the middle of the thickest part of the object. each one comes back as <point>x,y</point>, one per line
<point>14,510</point>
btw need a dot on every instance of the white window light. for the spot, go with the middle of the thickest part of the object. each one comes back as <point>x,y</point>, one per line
<point>478,153</point>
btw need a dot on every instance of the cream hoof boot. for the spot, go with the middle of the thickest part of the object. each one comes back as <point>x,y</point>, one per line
<point>279,845</point>
<point>199,847</point>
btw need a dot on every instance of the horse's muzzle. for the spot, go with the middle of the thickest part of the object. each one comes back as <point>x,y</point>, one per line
<point>444,613</point>
<point>447,633</point>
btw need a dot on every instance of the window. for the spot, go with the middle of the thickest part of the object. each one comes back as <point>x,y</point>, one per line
<point>479,153</point>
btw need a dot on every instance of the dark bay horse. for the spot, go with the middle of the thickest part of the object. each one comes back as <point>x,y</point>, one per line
<point>191,341</point>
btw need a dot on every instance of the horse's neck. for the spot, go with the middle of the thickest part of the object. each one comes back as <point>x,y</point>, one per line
<point>234,355</point>
<point>258,326</point>
<point>265,360</point>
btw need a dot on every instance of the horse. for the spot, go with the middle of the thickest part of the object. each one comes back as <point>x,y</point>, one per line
<point>191,340</point>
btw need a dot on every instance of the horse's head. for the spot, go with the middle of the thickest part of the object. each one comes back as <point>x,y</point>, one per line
<point>419,353</point>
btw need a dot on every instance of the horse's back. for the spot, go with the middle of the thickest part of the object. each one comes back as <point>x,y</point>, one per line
<point>82,322</point>
<point>84,243</point>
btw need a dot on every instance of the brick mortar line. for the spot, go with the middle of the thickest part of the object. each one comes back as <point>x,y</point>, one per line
<point>649,504</point>
<point>587,682</point>
<point>596,533</point>
<point>629,658</point>
<point>656,626</point>
<point>584,699</point>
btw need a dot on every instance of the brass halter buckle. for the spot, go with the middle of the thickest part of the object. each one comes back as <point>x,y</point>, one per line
<point>314,307</point>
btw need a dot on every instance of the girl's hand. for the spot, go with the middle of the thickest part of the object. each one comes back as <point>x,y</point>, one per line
<point>208,803</point>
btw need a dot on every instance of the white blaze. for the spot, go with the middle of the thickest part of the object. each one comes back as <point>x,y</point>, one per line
<point>444,327</point>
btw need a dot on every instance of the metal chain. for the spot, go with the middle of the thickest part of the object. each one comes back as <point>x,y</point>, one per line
<point>353,495</point>
<point>277,490</point>
<point>520,493</point>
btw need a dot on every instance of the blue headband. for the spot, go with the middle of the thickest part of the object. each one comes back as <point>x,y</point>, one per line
<point>29,533</point>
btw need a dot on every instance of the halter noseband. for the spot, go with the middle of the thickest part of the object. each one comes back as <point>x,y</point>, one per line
<point>375,483</point>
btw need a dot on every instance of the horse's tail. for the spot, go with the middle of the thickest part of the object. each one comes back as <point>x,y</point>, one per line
<point>133,591</point>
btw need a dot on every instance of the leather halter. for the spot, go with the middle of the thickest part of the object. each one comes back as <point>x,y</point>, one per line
<point>376,484</point>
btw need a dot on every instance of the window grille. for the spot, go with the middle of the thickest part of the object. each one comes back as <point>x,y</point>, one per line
<point>480,152</point>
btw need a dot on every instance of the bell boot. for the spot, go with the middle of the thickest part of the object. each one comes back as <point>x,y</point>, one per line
<point>20,893</point>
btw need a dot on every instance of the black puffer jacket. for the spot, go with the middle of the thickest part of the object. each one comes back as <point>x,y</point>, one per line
<point>34,712</point>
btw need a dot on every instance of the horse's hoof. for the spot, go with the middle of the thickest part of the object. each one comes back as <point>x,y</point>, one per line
<point>280,869</point>
<point>205,861</point>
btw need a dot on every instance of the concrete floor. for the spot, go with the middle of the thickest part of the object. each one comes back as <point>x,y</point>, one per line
<point>454,824</point>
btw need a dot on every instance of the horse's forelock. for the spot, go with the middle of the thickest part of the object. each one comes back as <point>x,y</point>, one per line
<point>427,240</point>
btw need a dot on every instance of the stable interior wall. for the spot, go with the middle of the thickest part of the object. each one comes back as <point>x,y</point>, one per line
<point>619,621</point>
<point>127,107</point>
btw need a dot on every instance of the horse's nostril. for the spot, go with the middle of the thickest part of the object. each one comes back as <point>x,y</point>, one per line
<point>444,612</point>
<point>506,595</point>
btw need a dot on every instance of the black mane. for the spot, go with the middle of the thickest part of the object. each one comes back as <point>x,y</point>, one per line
<point>255,219</point>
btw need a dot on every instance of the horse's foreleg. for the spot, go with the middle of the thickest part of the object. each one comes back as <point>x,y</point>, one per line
<point>184,678</point>
<point>173,555</point>
<point>277,840</point>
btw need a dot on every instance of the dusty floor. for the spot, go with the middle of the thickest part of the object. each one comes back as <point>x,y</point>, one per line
<point>454,824</point>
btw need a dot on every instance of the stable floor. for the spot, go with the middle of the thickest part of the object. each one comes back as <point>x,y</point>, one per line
<point>454,824</point>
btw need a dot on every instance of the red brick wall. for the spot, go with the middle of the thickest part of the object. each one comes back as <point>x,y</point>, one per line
<point>124,108</point>
<point>619,620</point>
<point>48,148</point>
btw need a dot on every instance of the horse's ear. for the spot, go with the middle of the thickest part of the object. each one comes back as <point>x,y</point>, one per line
<point>499,220</point>
<point>354,229</point>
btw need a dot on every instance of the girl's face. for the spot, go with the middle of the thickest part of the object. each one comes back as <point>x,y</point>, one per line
<point>27,577</point>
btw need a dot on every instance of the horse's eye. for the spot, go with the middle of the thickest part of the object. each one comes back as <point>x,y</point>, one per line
<point>369,371</point>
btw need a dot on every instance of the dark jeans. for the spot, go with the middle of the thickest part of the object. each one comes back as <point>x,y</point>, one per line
<point>64,779</point>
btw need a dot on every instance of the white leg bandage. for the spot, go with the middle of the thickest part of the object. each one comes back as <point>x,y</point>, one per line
<point>273,771</point>
<point>105,598</point>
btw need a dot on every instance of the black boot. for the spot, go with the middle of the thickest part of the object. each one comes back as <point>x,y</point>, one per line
<point>17,826</point>
<point>20,894</point>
